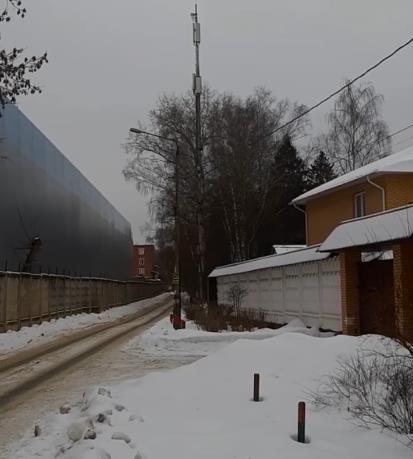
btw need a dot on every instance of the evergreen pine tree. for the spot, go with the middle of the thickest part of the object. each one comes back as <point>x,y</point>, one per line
<point>320,171</point>
<point>283,224</point>
<point>290,172</point>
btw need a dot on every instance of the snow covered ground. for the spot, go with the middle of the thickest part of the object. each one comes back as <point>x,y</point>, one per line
<point>204,409</point>
<point>37,334</point>
<point>191,343</point>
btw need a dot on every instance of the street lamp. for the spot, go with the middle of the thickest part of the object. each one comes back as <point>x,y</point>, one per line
<point>176,317</point>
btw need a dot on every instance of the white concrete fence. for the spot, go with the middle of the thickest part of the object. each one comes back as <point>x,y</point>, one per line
<point>308,291</point>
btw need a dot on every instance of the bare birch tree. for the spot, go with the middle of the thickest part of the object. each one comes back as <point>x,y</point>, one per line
<point>357,132</point>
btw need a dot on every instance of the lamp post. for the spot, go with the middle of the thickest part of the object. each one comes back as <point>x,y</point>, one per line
<point>176,318</point>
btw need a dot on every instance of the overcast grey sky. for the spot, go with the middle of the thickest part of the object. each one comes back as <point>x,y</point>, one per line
<point>110,61</point>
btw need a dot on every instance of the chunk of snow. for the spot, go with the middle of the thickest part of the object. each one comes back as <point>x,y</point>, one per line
<point>121,436</point>
<point>79,428</point>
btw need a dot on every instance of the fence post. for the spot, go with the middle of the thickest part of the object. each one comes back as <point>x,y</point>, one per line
<point>256,387</point>
<point>301,422</point>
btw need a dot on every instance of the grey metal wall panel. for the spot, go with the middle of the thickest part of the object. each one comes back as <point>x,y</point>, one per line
<point>43,195</point>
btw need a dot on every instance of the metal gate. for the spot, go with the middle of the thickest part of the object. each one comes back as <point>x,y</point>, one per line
<point>377,311</point>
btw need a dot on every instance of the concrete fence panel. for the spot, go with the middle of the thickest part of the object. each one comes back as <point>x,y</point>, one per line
<point>28,298</point>
<point>308,291</point>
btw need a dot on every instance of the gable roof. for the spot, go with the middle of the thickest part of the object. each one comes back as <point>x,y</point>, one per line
<point>397,163</point>
<point>381,228</point>
<point>271,261</point>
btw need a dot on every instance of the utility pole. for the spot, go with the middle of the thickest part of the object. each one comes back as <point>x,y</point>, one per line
<point>197,90</point>
<point>177,311</point>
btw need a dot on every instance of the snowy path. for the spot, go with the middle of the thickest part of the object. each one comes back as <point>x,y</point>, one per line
<point>109,365</point>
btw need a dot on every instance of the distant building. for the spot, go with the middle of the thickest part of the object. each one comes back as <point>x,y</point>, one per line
<point>143,261</point>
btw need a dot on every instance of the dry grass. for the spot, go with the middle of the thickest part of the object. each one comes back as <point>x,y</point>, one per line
<point>218,318</point>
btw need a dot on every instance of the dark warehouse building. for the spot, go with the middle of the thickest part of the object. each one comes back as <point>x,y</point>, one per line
<point>51,217</point>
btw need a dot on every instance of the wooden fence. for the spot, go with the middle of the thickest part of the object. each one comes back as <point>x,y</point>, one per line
<point>32,298</point>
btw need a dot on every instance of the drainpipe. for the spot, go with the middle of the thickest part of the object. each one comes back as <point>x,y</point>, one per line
<point>306,225</point>
<point>383,192</point>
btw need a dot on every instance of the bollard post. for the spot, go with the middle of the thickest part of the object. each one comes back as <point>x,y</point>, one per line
<point>256,387</point>
<point>301,422</point>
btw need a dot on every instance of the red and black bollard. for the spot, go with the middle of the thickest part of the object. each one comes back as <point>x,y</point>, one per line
<point>256,397</point>
<point>301,422</point>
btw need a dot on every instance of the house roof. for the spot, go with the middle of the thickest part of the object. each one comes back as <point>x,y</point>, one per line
<point>379,228</point>
<point>401,162</point>
<point>271,261</point>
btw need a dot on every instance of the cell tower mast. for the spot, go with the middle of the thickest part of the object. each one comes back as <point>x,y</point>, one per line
<point>197,80</point>
<point>197,90</point>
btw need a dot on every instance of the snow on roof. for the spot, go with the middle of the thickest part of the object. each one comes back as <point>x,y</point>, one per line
<point>401,162</point>
<point>284,248</point>
<point>271,261</point>
<point>378,228</point>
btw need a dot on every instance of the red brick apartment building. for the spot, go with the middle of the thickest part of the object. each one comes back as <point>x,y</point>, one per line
<point>143,261</point>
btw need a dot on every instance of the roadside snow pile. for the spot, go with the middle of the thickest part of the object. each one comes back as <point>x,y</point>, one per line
<point>204,410</point>
<point>82,432</point>
<point>47,331</point>
<point>191,343</point>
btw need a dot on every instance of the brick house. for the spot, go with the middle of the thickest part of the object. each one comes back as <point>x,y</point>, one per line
<point>379,186</point>
<point>143,261</point>
<point>360,216</point>
<point>362,222</point>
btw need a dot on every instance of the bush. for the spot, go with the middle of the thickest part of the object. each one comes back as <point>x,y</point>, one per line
<point>376,387</point>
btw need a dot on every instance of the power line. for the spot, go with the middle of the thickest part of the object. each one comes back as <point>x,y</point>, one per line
<point>382,139</point>
<point>399,131</point>
<point>344,87</point>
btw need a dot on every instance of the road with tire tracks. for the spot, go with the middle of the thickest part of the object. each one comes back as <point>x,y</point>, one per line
<point>34,384</point>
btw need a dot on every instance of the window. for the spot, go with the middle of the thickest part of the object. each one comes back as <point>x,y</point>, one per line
<point>359,205</point>
<point>141,271</point>
<point>141,251</point>
<point>141,261</point>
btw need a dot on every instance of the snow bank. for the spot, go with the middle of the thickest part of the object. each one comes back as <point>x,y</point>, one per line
<point>204,410</point>
<point>162,341</point>
<point>47,331</point>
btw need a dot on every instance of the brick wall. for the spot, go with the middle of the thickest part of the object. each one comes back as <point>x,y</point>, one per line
<point>403,288</point>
